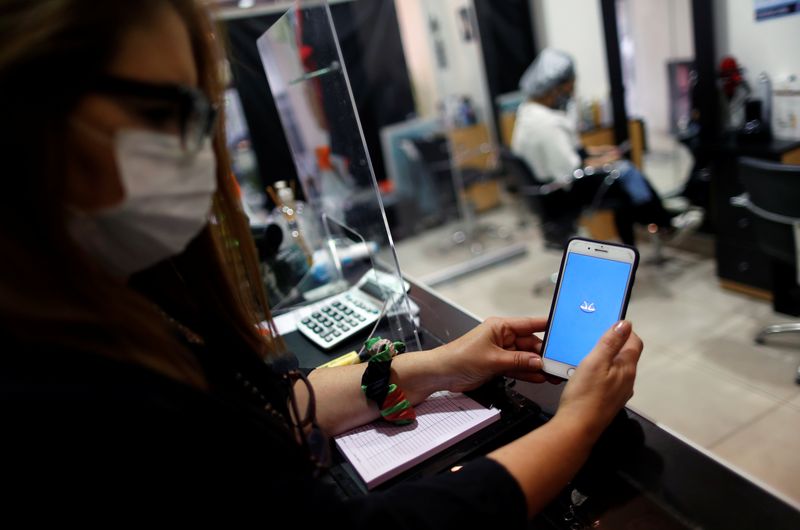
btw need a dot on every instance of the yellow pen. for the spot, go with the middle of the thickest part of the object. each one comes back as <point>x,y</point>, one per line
<point>355,357</point>
<point>345,360</point>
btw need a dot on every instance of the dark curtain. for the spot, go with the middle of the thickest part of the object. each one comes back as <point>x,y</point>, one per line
<point>266,133</point>
<point>507,41</point>
<point>369,36</point>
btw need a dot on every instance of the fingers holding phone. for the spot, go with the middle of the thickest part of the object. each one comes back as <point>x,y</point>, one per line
<point>603,382</point>
<point>498,346</point>
<point>517,334</point>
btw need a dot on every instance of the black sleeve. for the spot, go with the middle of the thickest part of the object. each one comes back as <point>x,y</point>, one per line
<point>481,495</point>
<point>80,453</point>
<point>274,482</point>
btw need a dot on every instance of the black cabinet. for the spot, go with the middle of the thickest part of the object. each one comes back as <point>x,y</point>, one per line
<point>738,258</point>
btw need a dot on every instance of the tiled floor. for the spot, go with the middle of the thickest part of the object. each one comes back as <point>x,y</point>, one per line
<point>701,375</point>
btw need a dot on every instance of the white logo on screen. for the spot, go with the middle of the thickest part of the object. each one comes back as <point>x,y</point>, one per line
<point>586,307</point>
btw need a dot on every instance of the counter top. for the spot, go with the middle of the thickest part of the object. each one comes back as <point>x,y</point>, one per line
<point>640,475</point>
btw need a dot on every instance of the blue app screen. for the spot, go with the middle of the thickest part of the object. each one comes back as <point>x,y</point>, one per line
<point>589,302</point>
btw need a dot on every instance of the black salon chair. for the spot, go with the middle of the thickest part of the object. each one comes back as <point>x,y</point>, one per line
<point>436,164</point>
<point>557,214</point>
<point>773,197</point>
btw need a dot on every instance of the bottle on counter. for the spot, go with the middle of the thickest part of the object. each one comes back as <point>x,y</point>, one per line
<point>293,217</point>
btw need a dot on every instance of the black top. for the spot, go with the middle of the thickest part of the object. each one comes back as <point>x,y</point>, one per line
<point>90,434</point>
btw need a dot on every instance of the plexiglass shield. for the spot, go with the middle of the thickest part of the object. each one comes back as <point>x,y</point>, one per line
<point>348,268</point>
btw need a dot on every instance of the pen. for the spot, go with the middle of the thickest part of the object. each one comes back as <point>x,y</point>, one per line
<point>347,359</point>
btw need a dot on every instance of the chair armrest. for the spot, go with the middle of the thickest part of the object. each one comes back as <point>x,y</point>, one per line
<point>550,187</point>
<point>743,201</point>
<point>740,201</point>
<point>542,190</point>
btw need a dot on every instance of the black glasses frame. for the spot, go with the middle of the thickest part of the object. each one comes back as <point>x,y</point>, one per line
<point>197,114</point>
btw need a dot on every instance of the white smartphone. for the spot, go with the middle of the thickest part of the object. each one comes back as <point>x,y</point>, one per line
<point>592,293</point>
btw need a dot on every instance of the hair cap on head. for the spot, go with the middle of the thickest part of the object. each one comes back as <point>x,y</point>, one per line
<point>550,69</point>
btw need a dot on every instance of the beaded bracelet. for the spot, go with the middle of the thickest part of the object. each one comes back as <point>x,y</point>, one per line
<point>375,384</point>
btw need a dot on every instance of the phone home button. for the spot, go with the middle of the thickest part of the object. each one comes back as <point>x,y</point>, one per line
<point>570,371</point>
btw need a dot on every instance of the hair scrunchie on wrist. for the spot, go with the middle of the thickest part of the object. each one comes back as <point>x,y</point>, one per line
<point>375,383</point>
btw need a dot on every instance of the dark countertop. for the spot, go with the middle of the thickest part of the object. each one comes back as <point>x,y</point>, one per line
<point>639,475</point>
<point>764,149</point>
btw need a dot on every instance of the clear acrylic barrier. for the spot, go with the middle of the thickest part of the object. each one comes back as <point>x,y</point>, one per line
<point>467,224</point>
<point>351,242</point>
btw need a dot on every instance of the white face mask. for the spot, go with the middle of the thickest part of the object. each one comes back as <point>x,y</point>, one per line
<point>168,195</point>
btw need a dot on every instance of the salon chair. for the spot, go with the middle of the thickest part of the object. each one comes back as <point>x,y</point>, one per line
<point>437,164</point>
<point>557,215</point>
<point>772,195</point>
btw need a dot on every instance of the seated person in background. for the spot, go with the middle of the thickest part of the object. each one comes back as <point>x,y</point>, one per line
<point>547,140</point>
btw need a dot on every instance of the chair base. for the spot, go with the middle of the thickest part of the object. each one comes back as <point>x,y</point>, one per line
<point>791,327</point>
<point>476,236</point>
<point>658,258</point>
<point>475,264</point>
<point>775,329</point>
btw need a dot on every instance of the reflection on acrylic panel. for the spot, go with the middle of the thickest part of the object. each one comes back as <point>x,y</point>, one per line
<point>308,81</point>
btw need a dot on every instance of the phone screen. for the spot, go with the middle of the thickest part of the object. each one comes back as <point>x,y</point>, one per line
<point>590,300</point>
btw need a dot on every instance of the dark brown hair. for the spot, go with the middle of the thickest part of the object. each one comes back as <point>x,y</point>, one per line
<point>51,297</point>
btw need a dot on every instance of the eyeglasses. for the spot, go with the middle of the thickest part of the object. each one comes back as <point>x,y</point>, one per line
<point>187,107</point>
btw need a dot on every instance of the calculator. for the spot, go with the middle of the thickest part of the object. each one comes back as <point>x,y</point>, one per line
<point>344,315</point>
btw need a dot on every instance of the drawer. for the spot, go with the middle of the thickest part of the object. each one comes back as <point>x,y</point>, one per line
<point>743,264</point>
<point>735,223</point>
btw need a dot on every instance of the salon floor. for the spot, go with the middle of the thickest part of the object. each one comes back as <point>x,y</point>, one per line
<point>701,375</point>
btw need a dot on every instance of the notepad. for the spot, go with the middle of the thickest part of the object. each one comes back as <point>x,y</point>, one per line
<point>379,451</point>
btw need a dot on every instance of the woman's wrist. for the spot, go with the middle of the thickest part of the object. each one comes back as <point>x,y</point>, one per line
<point>420,374</point>
<point>578,426</point>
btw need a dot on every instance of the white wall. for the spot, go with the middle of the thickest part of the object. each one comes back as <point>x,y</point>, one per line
<point>682,27</point>
<point>771,46</point>
<point>463,73</point>
<point>418,53</point>
<point>659,31</point>
<point>576,26</point>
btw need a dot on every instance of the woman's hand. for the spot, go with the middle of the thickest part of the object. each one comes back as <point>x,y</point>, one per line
<point>603,382</point>
<point>498,346</point>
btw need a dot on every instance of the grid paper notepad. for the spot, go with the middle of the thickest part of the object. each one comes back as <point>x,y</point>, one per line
<point>379,451</point>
